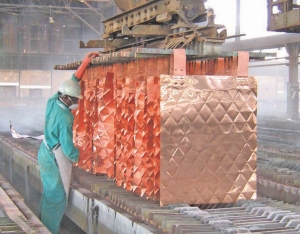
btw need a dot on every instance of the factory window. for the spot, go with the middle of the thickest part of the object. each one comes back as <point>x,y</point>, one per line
<point>8,92</point>
<point>35,92</point>
<point>60,60</point>
<point>9,37</point>
<point>46,63</point>
<point>14,62</point>
<point>34,46</point>
<point>36,62</point>
<point>56,47</point>
<point>9,61</point>
<point>44,46</point>
<point>24,65</point>
<point>1,37</point>
<point>33,63</point>
<point>1,61</point>
<point>39,39</point>
<point>34,31</point>
<point>69,46</point>
<point>72,32</point>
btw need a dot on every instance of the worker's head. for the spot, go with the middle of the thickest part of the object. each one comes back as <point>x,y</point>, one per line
<point>70,92</point>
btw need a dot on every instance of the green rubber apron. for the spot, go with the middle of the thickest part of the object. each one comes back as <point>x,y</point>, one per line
<point>64,166</point>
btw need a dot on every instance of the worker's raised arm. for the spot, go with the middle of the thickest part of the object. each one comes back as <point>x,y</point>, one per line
<point>85,63</point>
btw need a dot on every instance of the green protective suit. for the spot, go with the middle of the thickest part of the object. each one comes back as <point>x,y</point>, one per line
<point>58,129</point>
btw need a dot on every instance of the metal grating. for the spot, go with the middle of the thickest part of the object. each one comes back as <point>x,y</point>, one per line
<point>262,215</point>
<point>8,226</point>
<point>18,217</point>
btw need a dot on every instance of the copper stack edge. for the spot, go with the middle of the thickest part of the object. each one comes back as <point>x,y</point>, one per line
<point>183,135</point>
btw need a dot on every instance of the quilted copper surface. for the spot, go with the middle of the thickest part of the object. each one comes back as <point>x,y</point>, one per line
<point>188,139</point>
<point>208,139</point>
<point>94,124</point>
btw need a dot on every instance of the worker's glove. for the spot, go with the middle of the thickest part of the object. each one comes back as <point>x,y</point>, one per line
<point>85,63</point>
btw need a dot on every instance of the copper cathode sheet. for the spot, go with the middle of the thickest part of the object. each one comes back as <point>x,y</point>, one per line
<point>128,133</point>
<point>153,146</point>
<point>208,139</point>
<point>140,152</point>
<point>124,125</point>
<point>81,134</point>
<point>175,139</point>
<point>119,163</point>
<point>94,123</point>
<point>103,134</point>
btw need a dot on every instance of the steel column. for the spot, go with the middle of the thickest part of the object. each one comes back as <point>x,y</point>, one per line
<point>293,83</point>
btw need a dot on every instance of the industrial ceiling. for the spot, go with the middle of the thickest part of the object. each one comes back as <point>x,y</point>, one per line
<point>17,7</point>
<point>91,13</point>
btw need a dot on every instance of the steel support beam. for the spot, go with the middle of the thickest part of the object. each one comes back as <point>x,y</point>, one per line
<point>238,19</point>
<point>85,22</point>
<point>94,10</point>
<point>260,43</point>
<point>291,43</point>
<point>293,83</point>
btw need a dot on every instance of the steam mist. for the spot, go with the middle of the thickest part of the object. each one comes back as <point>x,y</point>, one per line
<point>57,45</point>
<point>26,120</point>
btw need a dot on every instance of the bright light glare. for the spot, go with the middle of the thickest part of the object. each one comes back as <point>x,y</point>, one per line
<point>253,16</point>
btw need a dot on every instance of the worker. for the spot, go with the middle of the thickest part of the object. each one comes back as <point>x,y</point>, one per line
<point>57,152</point>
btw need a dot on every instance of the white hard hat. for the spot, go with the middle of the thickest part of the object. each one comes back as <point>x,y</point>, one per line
<point>70,88</point>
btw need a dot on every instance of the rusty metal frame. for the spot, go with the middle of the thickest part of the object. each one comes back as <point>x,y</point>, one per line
<point>154,11</point>
<point>286,19</point>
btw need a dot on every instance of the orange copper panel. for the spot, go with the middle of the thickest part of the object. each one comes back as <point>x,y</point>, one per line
<point>157,150</point>
<point>94,123</point>
<point>103,136</point>
<point>196,68</point>
<point>125,130</point>
<point>190,68</point>
<point>162,66</point>
<point>82,136</point>
<point>128,133</point>
<point>178,62</point>
<point>243,63</point>
<point>131,121</point>
<point>228,66</point>
<point>153,147</point>
<point>140,146</point>
<point>151,134</point>
<point>120,71</point>
<point>108,119</point>
<point>119,173</point>
<point>140,167</point>
<point>211,66</point>
<point>141,67</point>
<point>156,133</point>
<point>208,139</point>
<point>89,105</point>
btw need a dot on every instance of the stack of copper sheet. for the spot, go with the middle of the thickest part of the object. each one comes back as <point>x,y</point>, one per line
<point>175,139</point>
